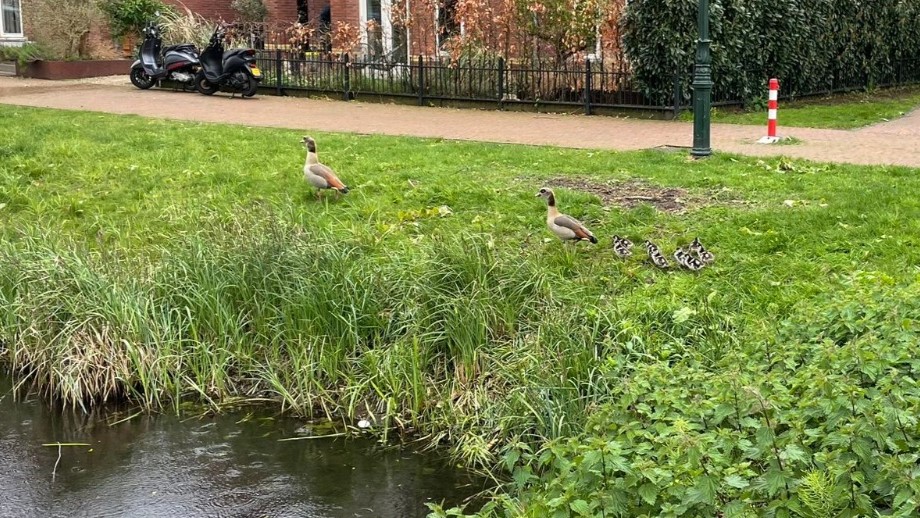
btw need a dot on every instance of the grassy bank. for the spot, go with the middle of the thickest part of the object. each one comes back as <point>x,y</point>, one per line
<point>843,111</point>
<point>160,261</point>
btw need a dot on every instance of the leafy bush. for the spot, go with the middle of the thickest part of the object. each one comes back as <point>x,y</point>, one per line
<point>823,423</point>
<point>810,45</point>
<point>250,11</point>
<point>130,16</point>
<point>62,28</point>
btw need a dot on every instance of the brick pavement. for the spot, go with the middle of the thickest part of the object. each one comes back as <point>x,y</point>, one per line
<point>893,143</point>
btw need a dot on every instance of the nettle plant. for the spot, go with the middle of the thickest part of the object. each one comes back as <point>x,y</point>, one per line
<point>822,422</point>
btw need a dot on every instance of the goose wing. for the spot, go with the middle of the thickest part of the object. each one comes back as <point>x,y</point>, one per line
<point>327,174</point>
<point>574,225</point>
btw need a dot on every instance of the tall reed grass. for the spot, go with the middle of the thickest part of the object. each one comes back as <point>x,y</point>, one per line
<point>453,337</point>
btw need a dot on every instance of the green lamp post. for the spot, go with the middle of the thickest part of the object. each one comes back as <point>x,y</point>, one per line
<point>702,86</point>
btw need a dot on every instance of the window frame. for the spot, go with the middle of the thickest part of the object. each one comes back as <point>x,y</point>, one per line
<point>441,37</point>
<point>3,10</point>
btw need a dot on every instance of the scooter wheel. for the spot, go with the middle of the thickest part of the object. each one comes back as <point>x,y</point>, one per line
<point>140,79</point>
<point>204,86</point>
<point>252,86</point>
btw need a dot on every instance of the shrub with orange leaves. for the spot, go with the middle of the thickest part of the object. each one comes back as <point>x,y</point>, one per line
<point>300,35</point>
<point>345,37</point>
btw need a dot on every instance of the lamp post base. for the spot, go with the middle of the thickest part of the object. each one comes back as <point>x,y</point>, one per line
<point>701,153</point>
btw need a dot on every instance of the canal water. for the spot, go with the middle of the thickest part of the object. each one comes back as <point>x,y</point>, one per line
<point>231,465</point>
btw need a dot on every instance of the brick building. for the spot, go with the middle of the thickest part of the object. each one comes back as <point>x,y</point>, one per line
<point>280,12</point>
<point>432,22</point>
<point>385,38</point>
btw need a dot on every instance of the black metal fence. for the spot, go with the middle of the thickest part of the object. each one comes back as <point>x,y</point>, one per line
<point>727,90</point>
<point>586,86</point>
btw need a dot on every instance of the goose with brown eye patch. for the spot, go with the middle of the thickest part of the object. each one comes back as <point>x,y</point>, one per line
<point>317,174</point>
<point>565,227</point>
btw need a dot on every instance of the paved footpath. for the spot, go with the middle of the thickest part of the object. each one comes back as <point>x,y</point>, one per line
<point>893,143</point>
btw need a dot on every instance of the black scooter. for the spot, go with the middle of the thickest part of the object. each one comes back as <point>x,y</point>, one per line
<point>235,69</point>
<point>176,63</point>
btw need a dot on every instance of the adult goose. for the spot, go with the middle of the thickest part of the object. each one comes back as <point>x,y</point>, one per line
<point>565,227</point>
<point>317,174</point>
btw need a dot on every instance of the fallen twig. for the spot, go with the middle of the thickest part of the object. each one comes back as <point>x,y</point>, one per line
<point>58,461</point>
<point>340,434</point>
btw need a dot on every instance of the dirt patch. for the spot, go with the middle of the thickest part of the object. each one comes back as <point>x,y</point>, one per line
<point>631,193</point>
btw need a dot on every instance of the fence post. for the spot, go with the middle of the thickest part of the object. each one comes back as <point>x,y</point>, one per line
<point>501,82</point>
<point>278,71</point>
<point>587,86</point>
<point>678,95</point>
<point>421,82</point>
<point>347,92</point>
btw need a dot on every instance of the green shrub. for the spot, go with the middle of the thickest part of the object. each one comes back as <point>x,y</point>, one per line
<point>250,11</point>
<point>825,426</point>
<point>810,45</point>
<point>130,16</point>
<point>64,28</point>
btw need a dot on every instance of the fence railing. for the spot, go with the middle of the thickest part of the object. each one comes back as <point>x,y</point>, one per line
<point>901,73</point>
<point>587,85</point>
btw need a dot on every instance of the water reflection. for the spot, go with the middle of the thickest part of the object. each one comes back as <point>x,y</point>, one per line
<point>231,465</point>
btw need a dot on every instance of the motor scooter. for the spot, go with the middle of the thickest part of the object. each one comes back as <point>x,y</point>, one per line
<point>177,63</point>
<point>235,69</point>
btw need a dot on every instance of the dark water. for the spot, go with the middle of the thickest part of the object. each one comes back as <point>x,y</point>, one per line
<point>223,466</point>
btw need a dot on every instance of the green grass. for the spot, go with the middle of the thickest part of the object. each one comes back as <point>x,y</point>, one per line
<point>845,111</point>
<point>163,261</point>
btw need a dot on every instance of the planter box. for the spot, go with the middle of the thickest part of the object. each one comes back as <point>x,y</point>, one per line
<point>7,68</point>
<point>76,69</point>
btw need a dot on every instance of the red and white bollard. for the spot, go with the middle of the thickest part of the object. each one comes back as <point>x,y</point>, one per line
<point>771,137</point>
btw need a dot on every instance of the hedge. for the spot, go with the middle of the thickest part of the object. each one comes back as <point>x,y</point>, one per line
<point>810,45</point>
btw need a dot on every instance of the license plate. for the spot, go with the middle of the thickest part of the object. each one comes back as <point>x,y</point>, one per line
<point>255,71</point>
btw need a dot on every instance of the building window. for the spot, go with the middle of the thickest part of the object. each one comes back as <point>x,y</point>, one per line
<point>448,27</point>
<point>12,18</point>
<point>374,22</point>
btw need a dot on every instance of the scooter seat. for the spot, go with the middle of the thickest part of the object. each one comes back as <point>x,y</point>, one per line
<point>184,47</point>
<point>235,52</point>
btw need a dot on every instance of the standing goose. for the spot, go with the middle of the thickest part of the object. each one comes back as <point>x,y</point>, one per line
<point>317,174</point>
<point>565,227</point>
